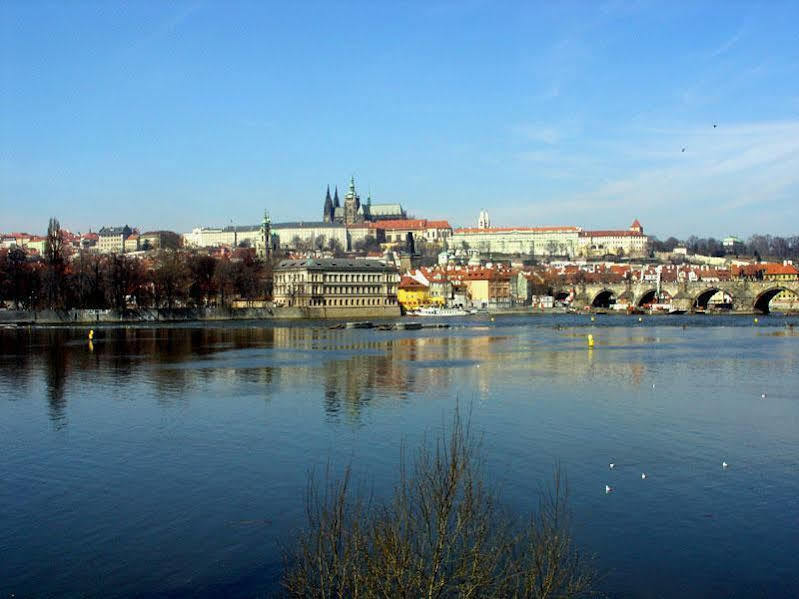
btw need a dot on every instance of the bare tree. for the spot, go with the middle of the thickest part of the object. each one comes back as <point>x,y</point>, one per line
<point>170,279</point>
<point>224,280</point>
<point>334,245</point>
<point>20,279</point>
<point>124,277</point>
<point>86,282</point>
<point>203,285</point>
<point>442,534</point>
<point>53,276</point>
<point>367,244</point>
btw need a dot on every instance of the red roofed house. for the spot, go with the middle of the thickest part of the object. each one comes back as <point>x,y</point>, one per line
<point>779,272</point>
<point>397,231</point>
<point>630,243</point>
<point>412,293</point>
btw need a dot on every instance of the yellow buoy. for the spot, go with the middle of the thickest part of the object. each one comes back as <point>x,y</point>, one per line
<point>640,319</point>
<point>91,334</point>
<point>755,320</point>
<point>590,341</point>
<point>91,345</point>
<point>492,319</point>
<point>592,319</point>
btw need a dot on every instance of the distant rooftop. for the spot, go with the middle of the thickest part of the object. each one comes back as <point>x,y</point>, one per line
<point>335,264</point>
<point>308,225</point>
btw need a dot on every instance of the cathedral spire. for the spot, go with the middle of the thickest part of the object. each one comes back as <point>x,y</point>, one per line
<point>328,212</point>
<point>336,203</point>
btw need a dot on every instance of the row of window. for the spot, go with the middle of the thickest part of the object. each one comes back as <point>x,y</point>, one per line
<point>363,301</point>
<point>315,290</point>
<point>333,278</point>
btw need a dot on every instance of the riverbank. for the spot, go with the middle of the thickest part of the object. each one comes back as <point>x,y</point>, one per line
<point>99,317</point>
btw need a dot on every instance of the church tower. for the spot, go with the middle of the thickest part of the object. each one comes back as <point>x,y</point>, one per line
<point>483,222</point>
<point>263,246</point>
<point>352,204</point>
<point>327,212</point>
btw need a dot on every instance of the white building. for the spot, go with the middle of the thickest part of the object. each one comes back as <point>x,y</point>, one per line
<point>630,243</point>
<point>285,235</point>
<point>538,241</point>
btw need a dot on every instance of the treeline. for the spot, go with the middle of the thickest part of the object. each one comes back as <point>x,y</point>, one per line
<point>86,280</point>
<point>758,246</point>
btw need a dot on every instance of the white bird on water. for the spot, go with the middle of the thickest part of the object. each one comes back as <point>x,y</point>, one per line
<point>608,489</point>
<point>643,475</point>
<point>612,465</point>
<point>724,464</point>
<point>763,396</point>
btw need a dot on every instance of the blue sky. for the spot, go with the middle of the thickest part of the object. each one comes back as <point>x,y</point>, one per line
<point>182,114</point>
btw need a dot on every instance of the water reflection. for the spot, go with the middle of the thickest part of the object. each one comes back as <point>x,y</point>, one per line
<point>349,369</point>
<point>177,432</point>
<point>56,377</point>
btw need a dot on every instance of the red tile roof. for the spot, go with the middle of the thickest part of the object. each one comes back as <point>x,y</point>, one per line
<point>779,269</point>
<point>619,233</point>
<point>410,283</point>
<point>410,224</point>
<point>520,229</point>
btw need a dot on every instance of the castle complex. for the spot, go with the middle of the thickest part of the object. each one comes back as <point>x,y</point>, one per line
<point>353,212</point>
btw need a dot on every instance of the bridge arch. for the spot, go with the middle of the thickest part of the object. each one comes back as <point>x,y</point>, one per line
<point>702,299</point>
<point>646,297</point>
<point>763,300</point>
<point>604,299</point>
<point>562,295</point>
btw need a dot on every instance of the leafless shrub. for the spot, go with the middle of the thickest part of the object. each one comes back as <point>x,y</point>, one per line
<point>441,535</point>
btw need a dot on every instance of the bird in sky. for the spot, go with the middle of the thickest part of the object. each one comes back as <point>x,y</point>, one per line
<point>683,149</point>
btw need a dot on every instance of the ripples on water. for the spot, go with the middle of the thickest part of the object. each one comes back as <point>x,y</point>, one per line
<point>172,460</point>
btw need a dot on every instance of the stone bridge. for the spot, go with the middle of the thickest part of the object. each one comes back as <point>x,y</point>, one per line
<point>747,296</point>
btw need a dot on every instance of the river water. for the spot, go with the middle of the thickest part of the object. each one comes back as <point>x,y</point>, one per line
<point>173,461</point>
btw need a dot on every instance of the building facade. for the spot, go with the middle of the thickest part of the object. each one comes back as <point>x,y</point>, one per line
<point>413,294</point>
<point>267,236</point>
<point>733,245</point>
<point>213,237</point>
<point>317,234</point>
<point>631,243</point>
<point>112,239</point>
<point>538,241</point>
<point>337,287</point>
<point>398,231</point>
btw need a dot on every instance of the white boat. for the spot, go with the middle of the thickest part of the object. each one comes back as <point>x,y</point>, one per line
<point>434,311</point>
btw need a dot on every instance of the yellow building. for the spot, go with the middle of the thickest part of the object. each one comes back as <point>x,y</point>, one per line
<point>412,294</point>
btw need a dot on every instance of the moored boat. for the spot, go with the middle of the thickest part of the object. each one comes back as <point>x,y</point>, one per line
<point>436,311</point>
